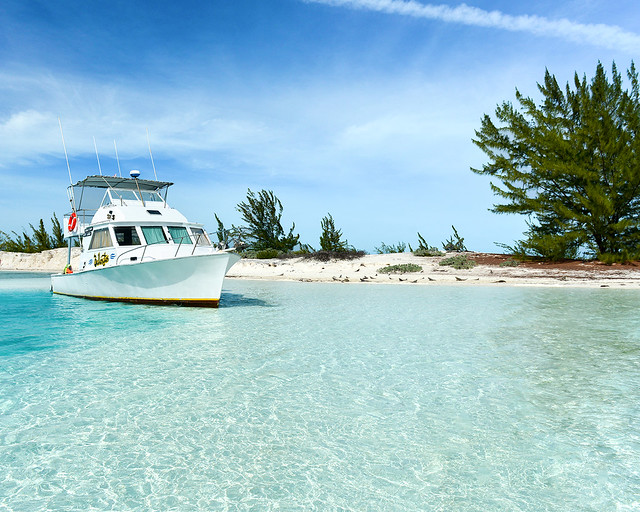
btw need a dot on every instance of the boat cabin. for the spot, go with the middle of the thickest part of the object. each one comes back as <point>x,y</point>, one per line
<point>128,220</point>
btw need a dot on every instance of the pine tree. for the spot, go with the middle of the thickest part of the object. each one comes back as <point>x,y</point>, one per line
<point>262,213</point>
<point>571,163</point>
<point>330,239</point>
<point>57,234</point>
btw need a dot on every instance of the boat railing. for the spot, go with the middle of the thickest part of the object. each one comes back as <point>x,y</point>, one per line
<point>144,247</point>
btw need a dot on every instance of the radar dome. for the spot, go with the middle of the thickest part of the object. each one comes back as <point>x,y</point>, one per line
<point>134,173</point>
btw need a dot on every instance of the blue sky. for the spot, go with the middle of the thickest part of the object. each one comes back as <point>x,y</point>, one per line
<point>364,109</point>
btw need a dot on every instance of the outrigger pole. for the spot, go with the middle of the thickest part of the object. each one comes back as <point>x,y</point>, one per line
<point>151,155</point>
<point>66,156</point>
<point>72,198</point>
<point>97,157</point>
<point>118,159</point>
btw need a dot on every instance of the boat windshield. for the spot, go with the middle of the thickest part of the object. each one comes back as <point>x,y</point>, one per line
<point>113,196</point>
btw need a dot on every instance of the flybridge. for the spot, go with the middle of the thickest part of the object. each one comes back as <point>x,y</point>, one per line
<point>118,183</point>
<point>96,191</point>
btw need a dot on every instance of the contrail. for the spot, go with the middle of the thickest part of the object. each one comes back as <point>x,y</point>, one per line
<point>608,36</point>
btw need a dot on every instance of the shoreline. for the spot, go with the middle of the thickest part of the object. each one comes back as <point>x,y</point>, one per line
<point>487,271</point>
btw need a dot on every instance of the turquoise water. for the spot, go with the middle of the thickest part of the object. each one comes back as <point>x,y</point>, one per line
<point>296,396</point>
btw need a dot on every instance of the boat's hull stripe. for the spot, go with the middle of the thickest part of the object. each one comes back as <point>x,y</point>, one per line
<point>203,303</point>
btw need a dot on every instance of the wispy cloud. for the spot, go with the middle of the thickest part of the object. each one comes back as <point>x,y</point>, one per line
<point>607,36</point>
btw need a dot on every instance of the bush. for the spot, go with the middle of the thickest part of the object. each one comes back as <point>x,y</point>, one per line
<point>459,262</point>
<point>267,254</point>
<point>430,252</point>
<point>623,257</point>
<point>424,249</point>
<point>334,255</point>
<point>388,249</point>
<point>400,269</point>
<point>455,243</point>
<point>510,263</point>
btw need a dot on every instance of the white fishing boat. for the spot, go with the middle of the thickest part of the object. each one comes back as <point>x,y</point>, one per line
<point>136,248</point>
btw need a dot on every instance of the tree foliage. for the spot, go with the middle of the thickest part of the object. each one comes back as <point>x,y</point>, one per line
<point>39,240</point>
<point>571,163</point>
<point>331,238</point>
<point>262,214</point>
<point>454,243</point>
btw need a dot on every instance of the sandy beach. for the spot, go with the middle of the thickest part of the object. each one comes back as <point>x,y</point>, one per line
<point>488,270</point>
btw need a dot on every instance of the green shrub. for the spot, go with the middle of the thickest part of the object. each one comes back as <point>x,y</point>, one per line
<point>623,257</point>
<point>388,249</point>
<point>334,255</point>
<point>424,249</point>
<point>266,254</point>
<point>430,252</point>
<point>400,269</point>
<point>454,243</point>
<point>459,262</point>
<point>510,263</point>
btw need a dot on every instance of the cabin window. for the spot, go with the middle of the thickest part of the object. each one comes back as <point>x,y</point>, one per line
<point>154,235</point>
<point>126,235</point>
<point>200,236</point>
<point>127,195</point>
<point>179,235</point>
<point>101,238</point>
<point>151,196</point>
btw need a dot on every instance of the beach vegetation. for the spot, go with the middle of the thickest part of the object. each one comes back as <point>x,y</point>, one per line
<point>331,237</point>
<point>351,254</point>
<point>510,263</point>
<point>424,249</point>
<point>403,268</point>
<point>389,249</point>
<point>266,254</point>
<point>262,213</point>
<point>570,163</point>
<point>459,262</point>
<point>39,240</point>
<point>455,243</point>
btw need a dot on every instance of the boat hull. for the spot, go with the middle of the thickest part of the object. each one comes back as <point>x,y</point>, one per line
<point>188,281</point>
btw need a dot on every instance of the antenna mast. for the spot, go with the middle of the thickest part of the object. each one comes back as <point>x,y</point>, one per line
<point>66,156</point>
<point>152,164</point>
<point>118,159</point>
<point>98,158</point>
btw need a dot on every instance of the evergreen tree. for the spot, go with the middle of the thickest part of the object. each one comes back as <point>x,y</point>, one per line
<point>57,234</point>
<point>571,163</point>
<point>330,239</point>
<point>262,213</point>
<point>41,238</point>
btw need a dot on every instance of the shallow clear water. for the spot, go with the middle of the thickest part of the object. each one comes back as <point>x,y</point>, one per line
<point>297,396</point>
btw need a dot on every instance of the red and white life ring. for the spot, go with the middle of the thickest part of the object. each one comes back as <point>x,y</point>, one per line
<point>73,222</point>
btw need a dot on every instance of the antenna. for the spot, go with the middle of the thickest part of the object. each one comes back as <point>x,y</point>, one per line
<point>66,156</point>
<point>96,148</point>
<point>114,145</point>
<point>152,164</point>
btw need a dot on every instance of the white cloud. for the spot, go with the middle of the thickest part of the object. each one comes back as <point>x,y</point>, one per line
<point>602,35</point>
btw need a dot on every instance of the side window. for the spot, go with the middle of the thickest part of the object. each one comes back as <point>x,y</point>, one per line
<point>126,235</point>
<point>154,235</point>
<point>100,238</point>
<point>200,236</point>
<point>179,235</point>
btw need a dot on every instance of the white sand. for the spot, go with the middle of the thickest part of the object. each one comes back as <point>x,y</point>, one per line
<point>365,270</point>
